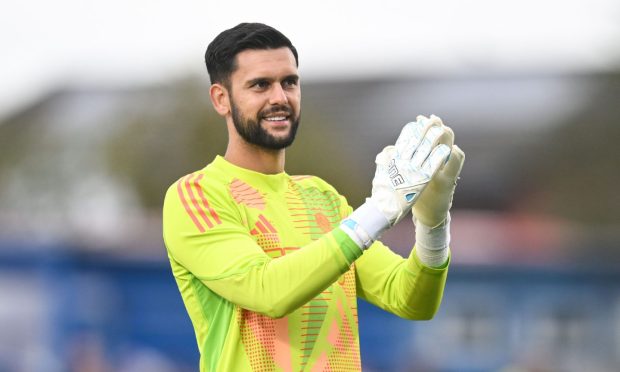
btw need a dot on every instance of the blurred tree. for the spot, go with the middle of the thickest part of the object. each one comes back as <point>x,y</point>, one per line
<point>176,131</point>
<point>36,170</point>
<point>117,151</point>
<point>171,134</point>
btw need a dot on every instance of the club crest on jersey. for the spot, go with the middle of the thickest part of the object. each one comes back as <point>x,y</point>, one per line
<point>394,174</point>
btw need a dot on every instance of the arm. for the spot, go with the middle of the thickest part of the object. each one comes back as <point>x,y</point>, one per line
<point>413,288</point>
<point>404,287</point>
<point>228,261</point>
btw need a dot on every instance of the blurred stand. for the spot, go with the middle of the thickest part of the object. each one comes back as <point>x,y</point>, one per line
<point>534,285</point>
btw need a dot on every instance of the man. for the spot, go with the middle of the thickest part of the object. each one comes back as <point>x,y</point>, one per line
<point>269,265</point>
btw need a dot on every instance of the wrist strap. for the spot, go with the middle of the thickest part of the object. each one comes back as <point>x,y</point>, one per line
<point>357,233</point>
<point>432,243</point>
<point>365,224</point>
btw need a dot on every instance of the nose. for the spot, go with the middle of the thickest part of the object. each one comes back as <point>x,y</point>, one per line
<point>278,95</point>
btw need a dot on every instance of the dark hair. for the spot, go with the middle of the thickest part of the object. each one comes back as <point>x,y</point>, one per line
<point>221,52</point>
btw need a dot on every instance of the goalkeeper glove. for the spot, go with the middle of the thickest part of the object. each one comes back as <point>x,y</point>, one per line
<point>431,214</point>
<point>402,173</point>
<point>433,205</point>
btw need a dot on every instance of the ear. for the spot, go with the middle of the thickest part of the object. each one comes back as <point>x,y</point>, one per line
<point>219,99</point>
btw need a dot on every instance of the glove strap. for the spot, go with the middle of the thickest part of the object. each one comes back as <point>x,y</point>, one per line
<point>365,224</point>
<point>357,233</point>
<point>432,243</point>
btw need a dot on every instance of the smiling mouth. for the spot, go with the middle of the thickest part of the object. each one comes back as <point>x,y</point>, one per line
<point>276,118</point>
<point>278,115</point>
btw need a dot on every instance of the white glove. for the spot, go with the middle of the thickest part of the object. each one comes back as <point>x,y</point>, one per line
<point>433,205</point>
<point>431,214</point>
<point>402,173</point>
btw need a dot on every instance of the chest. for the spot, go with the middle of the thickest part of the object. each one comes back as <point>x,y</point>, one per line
<point>284,221</point>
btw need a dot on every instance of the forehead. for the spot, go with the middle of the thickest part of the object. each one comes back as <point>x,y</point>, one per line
<point>268,63</point>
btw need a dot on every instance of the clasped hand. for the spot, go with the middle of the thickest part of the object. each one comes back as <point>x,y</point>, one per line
<point>419,172</point>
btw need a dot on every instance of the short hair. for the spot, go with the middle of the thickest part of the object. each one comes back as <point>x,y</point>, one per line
<point>221,53</point>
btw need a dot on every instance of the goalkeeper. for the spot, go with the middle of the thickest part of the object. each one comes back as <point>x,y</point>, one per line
<point>270,265</point>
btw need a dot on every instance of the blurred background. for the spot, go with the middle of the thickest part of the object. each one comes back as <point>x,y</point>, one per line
<point>105,104</point>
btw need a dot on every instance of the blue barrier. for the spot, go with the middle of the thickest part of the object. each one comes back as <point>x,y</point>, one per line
<point>123,310</point>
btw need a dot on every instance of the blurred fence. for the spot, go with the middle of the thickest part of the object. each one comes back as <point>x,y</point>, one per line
<point>75,311</point>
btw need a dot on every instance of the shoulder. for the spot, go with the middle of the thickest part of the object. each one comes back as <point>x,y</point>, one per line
<point>207,180</point>
<point>201,196</point>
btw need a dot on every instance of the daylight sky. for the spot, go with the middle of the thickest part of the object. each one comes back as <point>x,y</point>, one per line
<point>50,44</point>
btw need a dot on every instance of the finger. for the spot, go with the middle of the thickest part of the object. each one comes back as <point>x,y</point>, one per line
<point>436,118</point>
<point>411,136</point>
<point>454,164</point>
<point>436,159</point>
<point>448,137</point>
<point>434,136</point>
<point>384,157</point>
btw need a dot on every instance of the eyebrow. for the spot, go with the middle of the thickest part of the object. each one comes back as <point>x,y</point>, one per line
<point>292,76</point>
<point>251,82</point>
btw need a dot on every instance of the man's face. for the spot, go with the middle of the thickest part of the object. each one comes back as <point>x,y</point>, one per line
<point>265,97</point>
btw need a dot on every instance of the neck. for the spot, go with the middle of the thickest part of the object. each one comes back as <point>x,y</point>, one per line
<point>255,158</point>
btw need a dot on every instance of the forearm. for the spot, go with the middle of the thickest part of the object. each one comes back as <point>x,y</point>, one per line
<point>421,288</point>
<point>276,287</point>
<point>404,287</point>
<point>423,279</point>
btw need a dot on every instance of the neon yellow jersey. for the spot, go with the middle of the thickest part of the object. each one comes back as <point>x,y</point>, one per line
<point>269,280</point>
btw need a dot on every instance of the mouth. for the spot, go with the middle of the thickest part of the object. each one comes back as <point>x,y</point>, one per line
<point>277,119</point>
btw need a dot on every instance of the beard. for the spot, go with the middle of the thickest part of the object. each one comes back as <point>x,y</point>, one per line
<point>252,132</point>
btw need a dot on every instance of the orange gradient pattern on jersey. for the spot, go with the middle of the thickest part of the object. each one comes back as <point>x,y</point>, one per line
<point>245,194</point>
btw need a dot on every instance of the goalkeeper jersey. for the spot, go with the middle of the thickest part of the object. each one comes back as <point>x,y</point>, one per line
<point>269,279</point>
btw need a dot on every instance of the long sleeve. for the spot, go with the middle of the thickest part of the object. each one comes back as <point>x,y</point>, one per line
<point>207,236</point>
<point>404,287</point>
